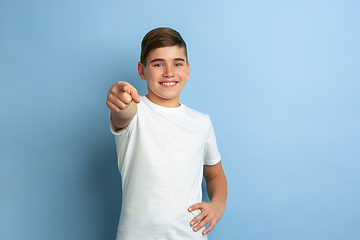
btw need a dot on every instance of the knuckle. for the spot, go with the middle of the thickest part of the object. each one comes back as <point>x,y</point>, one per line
<point>113,98</point>
<point>112,91</point>
<point>109,104</point>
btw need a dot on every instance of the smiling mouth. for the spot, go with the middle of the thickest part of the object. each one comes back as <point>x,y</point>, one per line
<point>168,83</point>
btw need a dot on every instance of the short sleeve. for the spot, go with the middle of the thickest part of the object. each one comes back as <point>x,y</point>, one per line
<point>211,154</point>
<point>125,129</point>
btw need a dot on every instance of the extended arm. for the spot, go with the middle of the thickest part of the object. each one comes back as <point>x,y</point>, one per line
<point>212,211</point>
<point>121,100</point>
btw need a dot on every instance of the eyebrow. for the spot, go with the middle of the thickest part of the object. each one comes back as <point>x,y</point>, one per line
<point>162,60</point>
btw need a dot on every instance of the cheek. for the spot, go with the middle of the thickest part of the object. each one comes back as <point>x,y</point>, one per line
<point>185,75</point>
<point>153,73</point>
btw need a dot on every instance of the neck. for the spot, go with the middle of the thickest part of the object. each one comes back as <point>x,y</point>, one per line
<point>169,103</point>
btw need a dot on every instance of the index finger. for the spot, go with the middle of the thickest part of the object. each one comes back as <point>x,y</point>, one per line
<point>194,207</point>
<point>125,88</point>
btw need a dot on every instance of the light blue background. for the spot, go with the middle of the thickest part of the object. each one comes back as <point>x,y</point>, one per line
<point>280,80</point>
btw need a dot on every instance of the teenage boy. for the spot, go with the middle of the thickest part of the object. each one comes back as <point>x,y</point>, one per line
<point>164,148</point>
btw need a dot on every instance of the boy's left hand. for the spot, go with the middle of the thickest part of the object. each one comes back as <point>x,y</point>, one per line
<point>210,212</point>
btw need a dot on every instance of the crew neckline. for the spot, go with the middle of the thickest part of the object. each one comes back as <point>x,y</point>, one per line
<point>162,108</point>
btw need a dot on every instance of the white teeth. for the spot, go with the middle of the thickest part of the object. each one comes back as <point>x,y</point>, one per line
<point>168,83</point>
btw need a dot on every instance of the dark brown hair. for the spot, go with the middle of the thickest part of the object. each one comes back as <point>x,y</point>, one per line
<point>161,37</point>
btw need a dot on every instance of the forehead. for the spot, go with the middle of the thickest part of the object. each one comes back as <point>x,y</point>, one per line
<point>167,53</point>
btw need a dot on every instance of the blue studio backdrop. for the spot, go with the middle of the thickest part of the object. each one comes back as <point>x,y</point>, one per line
<point>280,80</point>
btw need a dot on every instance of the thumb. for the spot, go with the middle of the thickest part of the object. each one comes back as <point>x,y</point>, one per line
<point>134,94</point>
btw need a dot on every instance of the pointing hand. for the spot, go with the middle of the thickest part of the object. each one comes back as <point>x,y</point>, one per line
<point>120,95</point>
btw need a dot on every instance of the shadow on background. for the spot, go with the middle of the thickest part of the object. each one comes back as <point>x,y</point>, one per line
<point>104,178</point>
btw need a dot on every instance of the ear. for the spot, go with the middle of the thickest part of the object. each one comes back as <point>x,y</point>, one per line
<point>141,71</point>
<point>188,72</point>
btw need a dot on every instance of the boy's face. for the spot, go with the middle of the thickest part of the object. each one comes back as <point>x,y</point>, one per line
<point>166,73</point>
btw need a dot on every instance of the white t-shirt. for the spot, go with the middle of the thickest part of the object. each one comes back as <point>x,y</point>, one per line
<point>160,157</point>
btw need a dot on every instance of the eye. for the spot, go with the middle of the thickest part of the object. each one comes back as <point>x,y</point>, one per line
<point>158,65</point>
<point>178,64</point>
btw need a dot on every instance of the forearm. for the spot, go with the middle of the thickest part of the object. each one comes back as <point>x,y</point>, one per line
<point>212,211</point>
<point>123,117</point>
<point>217,189</point>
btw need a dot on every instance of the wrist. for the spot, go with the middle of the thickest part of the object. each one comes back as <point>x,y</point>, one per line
<point>219,203</point>
<point>122,113</point>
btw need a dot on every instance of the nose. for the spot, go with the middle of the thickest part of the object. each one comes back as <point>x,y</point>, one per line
<point>168,72</point>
